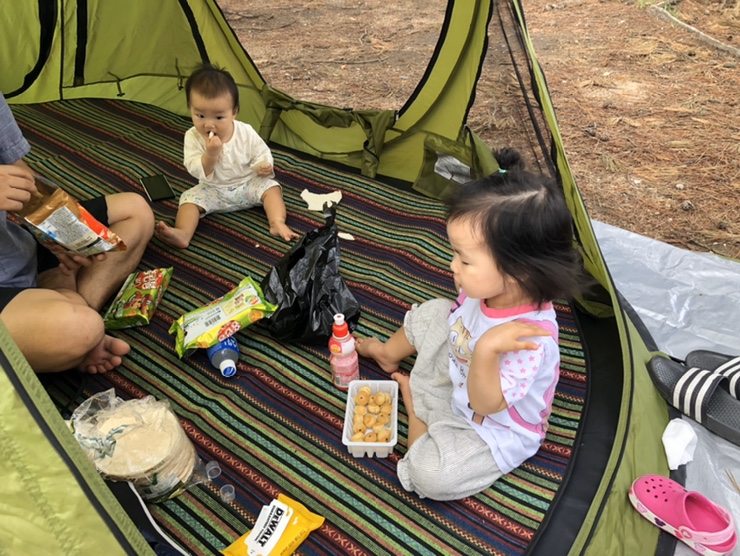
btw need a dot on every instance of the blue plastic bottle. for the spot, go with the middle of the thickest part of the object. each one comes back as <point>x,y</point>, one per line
<point>224,356</point>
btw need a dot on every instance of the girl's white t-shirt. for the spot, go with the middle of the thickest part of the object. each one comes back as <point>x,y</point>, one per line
<point>528,378</point>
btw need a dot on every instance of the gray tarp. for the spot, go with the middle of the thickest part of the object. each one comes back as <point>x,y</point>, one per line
<point>687,301</point>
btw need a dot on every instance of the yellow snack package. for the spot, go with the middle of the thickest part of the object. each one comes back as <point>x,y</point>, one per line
<point>221,318</point>
<point>279,530</point>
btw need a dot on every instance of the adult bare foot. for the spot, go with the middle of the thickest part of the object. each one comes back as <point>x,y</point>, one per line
<point>282,230</point>
<point>375,349</point>
<point>55,279</point>
<point>171,236</point>
<point>106,356</point>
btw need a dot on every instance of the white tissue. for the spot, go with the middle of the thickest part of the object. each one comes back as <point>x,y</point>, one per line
<point>315,201</point>
<point>679,441</point>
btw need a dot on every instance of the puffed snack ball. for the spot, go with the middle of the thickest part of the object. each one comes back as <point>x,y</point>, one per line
<point>371,416</point>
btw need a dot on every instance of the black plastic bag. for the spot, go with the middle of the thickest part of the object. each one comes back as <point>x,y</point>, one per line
<point>308,289</point>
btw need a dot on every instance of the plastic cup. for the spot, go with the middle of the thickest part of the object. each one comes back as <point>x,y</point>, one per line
<point>227,493</point>
<point>213,469</point>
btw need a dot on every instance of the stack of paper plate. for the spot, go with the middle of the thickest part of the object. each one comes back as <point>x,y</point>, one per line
<point>145,444</point>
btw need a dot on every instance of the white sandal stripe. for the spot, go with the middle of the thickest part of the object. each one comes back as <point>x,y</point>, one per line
<point>731,370</point>
<point>678,393</point>
<point>731,365</point>
<point>693,389</point>
<point>708,386</point>
<point>734,383</point>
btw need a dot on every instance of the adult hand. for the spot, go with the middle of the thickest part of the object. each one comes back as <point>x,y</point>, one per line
<point>69,264</point>
<point>16,187</point>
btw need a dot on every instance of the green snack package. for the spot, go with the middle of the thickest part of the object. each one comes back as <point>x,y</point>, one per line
<point>221,318</point>
<point>137,299</point>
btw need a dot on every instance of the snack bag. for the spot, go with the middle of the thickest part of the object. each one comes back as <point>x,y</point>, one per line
<point>280,529</point>
<point>221,318</point>
<point>56,219</point>
<point>137,299</point>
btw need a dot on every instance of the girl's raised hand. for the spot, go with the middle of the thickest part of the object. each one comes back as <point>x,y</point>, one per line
<point>508,337</point>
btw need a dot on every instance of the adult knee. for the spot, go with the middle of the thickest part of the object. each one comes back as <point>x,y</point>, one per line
<point>81,327</point>
<point>141,212</point>
<point>131,213</point>
<point>53,330</point>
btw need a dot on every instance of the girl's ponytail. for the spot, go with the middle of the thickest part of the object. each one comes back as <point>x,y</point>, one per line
<point>509,160</point>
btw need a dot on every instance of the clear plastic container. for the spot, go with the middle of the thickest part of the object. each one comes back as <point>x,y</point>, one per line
<point>371,449</point>
<point>213,469</point>
<point>227,493</point>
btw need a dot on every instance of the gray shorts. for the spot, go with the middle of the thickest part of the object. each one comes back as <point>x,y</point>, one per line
<point>450,461</point>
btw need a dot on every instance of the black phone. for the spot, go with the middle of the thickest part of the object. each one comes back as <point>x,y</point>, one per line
<point>157,187</point>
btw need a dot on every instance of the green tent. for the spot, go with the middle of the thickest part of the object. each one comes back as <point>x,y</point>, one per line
<point>142,51</point>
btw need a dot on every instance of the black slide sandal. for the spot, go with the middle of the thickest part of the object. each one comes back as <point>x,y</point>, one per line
<point>694,392</point>
<point>726,365</point>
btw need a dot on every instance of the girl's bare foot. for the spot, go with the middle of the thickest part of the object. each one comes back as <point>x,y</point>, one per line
<point>417,427</point>
<point>106,356</point>
<point>171,236</point>
<point>281,230</point>
<point>404,386</point>
<point>375,349</point>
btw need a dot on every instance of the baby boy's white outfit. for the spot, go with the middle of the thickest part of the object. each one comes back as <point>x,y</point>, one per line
<point>233,185</point>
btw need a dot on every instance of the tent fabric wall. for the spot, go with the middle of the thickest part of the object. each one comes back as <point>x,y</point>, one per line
<point>69,510</point>
<point>143,51</point>
<point>148,62</point>
<point>643,414</point>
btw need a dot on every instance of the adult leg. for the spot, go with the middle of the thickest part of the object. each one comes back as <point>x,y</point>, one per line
<point>57,331</point>
<point>131,217</point>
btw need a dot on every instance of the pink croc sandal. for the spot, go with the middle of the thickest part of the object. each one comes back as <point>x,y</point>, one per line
<point>694,519</point>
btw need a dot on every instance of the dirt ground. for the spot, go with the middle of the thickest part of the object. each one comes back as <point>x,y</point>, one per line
<point>649,109</point>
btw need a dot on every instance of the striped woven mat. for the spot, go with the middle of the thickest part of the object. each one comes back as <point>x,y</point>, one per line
<point>277,426</point>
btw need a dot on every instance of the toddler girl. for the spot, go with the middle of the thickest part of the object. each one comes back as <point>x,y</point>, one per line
<point>480,392</point>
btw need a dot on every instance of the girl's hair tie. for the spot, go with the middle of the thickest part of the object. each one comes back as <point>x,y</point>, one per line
<point>502,171</point>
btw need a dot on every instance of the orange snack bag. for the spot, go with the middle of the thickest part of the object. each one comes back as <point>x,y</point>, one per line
<point>279,530</point>
<point>57,219</point>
